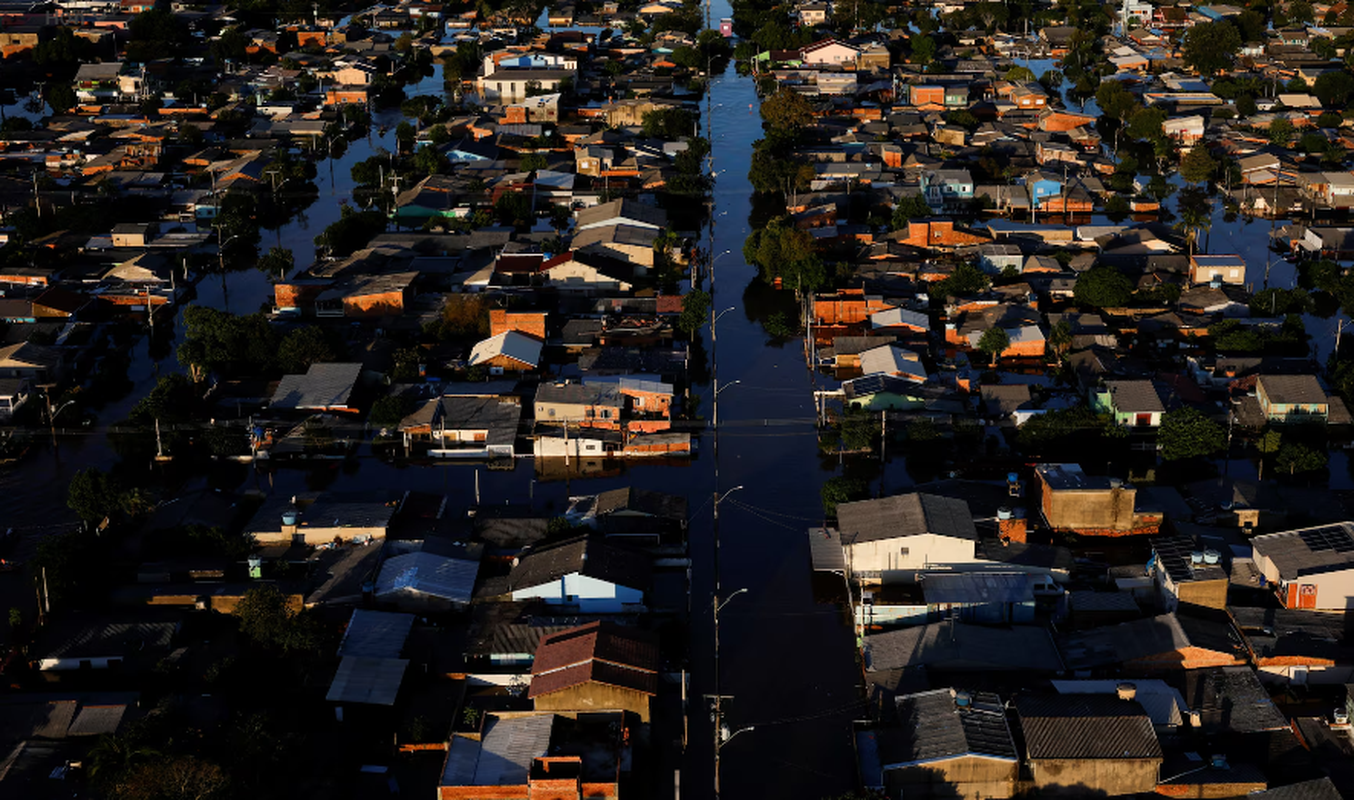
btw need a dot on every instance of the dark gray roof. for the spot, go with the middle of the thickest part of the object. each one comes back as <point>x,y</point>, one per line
<point>1085,726</point>
<point>642,501</point>
<point>1288,389</point>
<point>323,386</point>
<point>376,634</point>
<point>497,416</point>
<point>373,681</point>
<point>959,646</point>
<point>507,749</point>
<point>977,587</point>
<point>1134,397</point>
<point>1174,555</point>
<point>935,727</point>
<point>1113,645</point>
<point>1290,632</point>
<point>904,515</point>
<point>80,636</point>
<point>1319,789</point>
<point>1232,699</point>
<point>825,550</point>
<point>623,208</point>
<point>1325,548</point>
<point>414,574</point>
<point>587,555</point>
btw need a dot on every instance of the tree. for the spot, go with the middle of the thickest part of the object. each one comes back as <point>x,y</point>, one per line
<point>1103,287</point>
<point>169,402</point>
<point>1115,100</point>
<point>842,489</point>
<point>695,312</point>
<point>61,97</point>
<point>1196,215</point>
<point>994,342</point>
<point>1296,457</point>
<point>1060,338</point>
<point>1198,166</point>
<point>1281,132</point>
<point>787,111</point>
<point>1268,444</point>
<point>923,50</point>
<point>1051,80</point>
<point>351,231</point>
<point>277,261</point>
<point>1211,47</point>
<point>95,496</point>
<point>1334,89</point>
<point>966,279</point>
<point>514,209</point>
<point>910,207</point>
<point>783,251</point>
<point>1019,73</point>
<point>391,410</point>
<point>1186,433</point>
<point>267,617</point>
<point>303,347</point>
<point>532,162</point>
<point>225,343</point>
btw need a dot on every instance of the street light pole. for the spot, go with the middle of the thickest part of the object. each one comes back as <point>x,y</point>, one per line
<point>716,605</point>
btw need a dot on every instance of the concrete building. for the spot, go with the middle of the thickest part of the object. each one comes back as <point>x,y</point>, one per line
<point>1082,744</point>
<point>1187,573</point>
<point>948,743</point>
<point>1073,501</point>
<point>1223,269</point>
<point>586,573</point>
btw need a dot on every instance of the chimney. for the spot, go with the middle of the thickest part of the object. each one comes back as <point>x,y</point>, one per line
<point>1012,530</point>
<point>1126,691</point>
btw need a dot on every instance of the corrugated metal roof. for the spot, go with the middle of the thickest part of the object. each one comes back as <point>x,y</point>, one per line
<point>1085,727</point>
<point>424,573</point>
<point>514,345</point>
<point>934,728</point>
<point>509,746</point>
<point>1163,703</point>
<point>375,681</point>
<point>97,720</point>
<point>375,634</point>
<point>977,587</point>
<point>825,550</point>
<point>904,515</point>
<point>323,386</point>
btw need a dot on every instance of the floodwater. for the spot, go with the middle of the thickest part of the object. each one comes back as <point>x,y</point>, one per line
<point>788,660</point>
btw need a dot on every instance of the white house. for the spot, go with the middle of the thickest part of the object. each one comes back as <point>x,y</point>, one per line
<point>1310,568</point>
<point>889,539</point>
<point>586,573</point>
<point>828,53</point>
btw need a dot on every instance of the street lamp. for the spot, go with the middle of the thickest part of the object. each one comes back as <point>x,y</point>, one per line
<point>221,265</point>
<point>51,415</point>
<point>722,734</point>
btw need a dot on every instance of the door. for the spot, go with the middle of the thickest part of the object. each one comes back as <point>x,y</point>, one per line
<point>1307,596</point>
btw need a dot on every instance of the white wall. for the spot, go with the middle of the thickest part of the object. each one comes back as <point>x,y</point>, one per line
<point>592,596</point>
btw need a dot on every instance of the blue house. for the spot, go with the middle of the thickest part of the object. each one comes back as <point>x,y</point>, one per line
<point>1043,186</point>
<point>947,188</point>
<point>586,574</point>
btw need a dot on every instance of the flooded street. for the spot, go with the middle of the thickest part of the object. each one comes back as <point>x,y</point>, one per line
<point>799,697</point>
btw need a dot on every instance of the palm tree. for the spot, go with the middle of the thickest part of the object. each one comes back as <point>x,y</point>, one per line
<point>1194,218</point>
<point>114,754</point>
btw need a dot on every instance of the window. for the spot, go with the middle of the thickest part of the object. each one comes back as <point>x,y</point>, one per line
<point>552,412</point>
<point>903,551</point>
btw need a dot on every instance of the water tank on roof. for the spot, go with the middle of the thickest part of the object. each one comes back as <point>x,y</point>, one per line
<point>1003,513</point>
<point>1011,477</point>
<point>1126,691</point>
<point>1211,556</point>
<point>1196,557</point>
<point>289,518</point>
<point>1115,483</point>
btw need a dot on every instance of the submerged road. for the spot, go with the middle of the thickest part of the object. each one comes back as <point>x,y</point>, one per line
<point>787,661</point>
